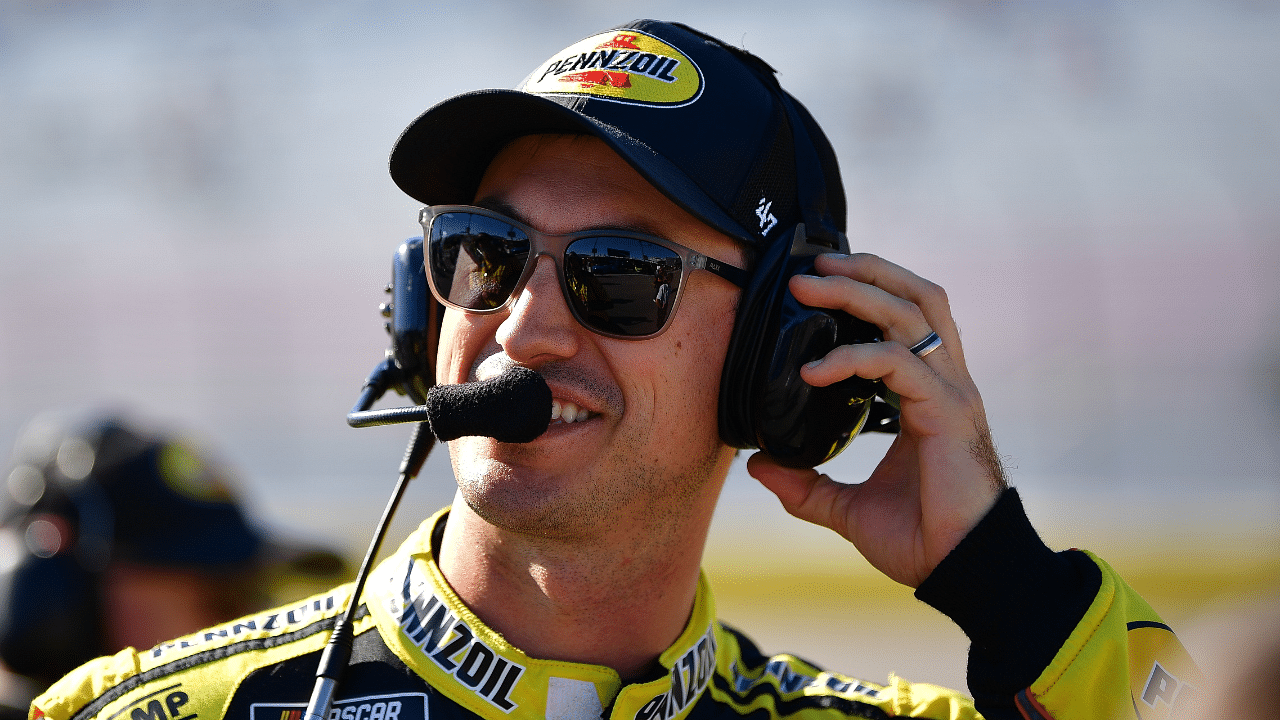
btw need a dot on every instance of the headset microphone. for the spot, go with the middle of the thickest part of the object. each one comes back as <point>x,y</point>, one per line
<point>512,407</point>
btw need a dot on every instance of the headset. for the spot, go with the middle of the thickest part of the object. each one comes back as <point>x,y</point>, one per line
<point>763,402</point>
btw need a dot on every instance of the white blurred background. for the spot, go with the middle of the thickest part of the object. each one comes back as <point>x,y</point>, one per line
<point>196,223</point>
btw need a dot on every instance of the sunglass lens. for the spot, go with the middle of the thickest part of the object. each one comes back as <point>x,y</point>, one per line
<point>622,286</point>
<point>475,260</point>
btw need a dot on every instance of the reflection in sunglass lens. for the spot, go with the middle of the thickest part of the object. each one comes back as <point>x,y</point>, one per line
<point>622,286</point>
<point>475,260</point>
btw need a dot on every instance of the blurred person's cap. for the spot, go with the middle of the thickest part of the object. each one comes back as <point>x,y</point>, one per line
<point>152,498</point>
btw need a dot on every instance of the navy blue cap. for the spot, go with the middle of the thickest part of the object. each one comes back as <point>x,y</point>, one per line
<point>704,122</point>
<point>173,505</point>
<point>137,495</point>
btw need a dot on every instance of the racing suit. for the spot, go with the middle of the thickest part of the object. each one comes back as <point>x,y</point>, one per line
<point>1061,638</point>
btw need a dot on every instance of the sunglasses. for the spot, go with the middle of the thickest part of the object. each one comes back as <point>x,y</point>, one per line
<point>617,283</point>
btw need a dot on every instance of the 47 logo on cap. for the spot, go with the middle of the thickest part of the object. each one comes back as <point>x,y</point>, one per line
<point>625,66</point>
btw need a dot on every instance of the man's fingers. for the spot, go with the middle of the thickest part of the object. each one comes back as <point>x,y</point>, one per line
<point>929,298</point>
<point>899,319</point>
<point>891,363</point>
<point>804,494</point>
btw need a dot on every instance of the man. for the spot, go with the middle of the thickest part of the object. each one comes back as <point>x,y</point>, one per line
<point>564,581</point>
<point>115,536</point>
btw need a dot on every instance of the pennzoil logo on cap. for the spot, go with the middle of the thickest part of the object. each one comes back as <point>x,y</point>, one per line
<point>626,66</point>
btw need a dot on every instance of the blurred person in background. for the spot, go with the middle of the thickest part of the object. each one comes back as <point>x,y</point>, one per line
<point>1239,639</point>
<point>116,536</point>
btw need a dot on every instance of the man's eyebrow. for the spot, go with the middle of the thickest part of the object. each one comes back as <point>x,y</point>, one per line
<point>503,207</point>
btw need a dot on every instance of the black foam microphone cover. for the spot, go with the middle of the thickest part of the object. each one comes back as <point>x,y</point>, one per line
<point>513,407</point>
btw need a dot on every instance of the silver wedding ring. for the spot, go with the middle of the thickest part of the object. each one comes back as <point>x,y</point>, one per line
<point>930,343</point>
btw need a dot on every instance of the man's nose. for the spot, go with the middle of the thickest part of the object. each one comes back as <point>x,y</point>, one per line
<point>539,326</point>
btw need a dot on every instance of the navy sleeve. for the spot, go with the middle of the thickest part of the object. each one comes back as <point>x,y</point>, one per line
<point>1014,598</point>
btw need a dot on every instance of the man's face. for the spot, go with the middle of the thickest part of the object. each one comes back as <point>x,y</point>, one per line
<point>644,448</point>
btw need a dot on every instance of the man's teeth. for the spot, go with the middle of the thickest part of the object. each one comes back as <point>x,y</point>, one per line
<point>567,412</point>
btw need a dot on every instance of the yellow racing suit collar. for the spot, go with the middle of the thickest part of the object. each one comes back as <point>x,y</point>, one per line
<point>428,627</point>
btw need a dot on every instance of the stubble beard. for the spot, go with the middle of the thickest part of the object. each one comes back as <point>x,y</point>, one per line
<point>637,485</point>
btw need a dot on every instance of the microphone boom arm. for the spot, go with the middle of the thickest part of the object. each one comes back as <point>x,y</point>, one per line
<point>385,376</point>
<point>337,653</point>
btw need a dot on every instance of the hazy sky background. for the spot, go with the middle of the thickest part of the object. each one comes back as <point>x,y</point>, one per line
<point>196,222</point>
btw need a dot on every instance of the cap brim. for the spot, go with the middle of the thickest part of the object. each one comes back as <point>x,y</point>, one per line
<point>443,154</point>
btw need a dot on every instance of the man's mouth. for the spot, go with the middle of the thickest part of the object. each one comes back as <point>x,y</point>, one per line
<point>566,412</point>
<point>562,410</point>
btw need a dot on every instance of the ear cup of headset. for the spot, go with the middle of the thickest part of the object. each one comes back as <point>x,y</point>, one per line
<point>764,403</point>
<point>415,320</point>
